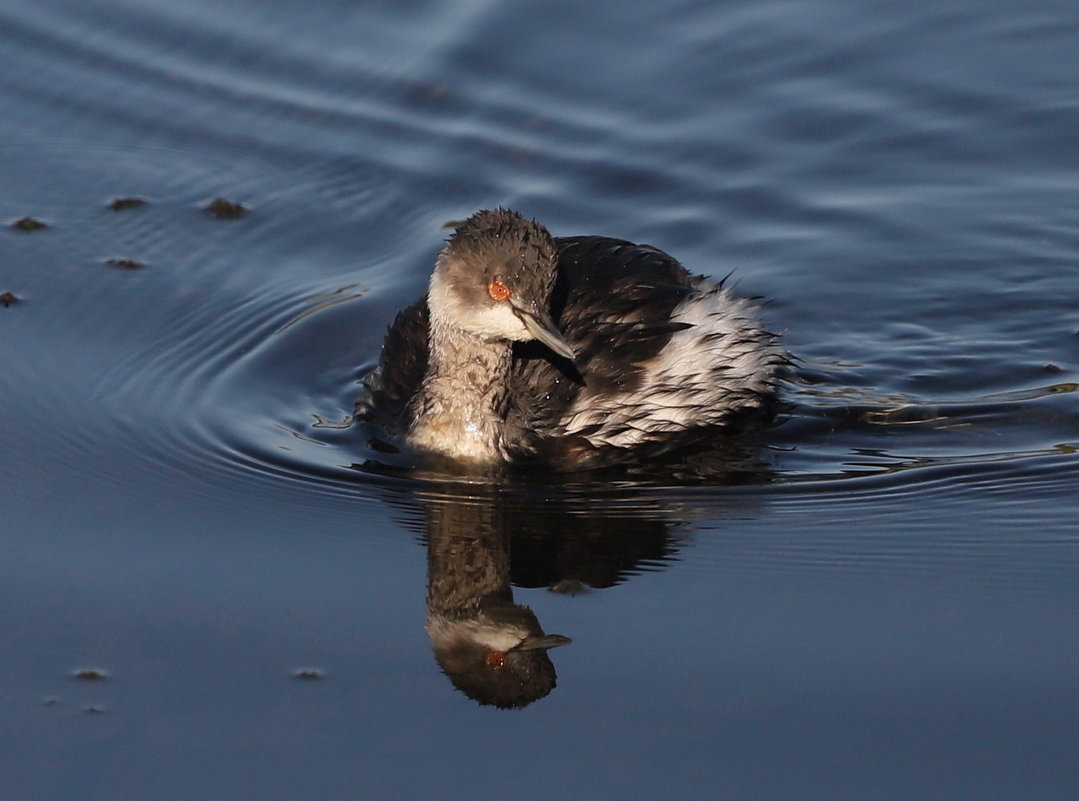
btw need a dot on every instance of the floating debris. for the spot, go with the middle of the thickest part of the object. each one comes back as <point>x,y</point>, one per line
<point>94,709</point>
<point>28,224</point>
<point>308,674</point>
<point>125,203</point>
<point>126,264</point>
<point>225,209</point>
<point>8,298</point>
<point>50,700</point>
<point>90,674</point>
<point>430,92</point>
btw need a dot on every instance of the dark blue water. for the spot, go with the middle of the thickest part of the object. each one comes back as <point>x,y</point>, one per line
<point>879,600</point>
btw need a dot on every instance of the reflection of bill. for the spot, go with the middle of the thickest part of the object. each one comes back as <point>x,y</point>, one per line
<point>492,649</point>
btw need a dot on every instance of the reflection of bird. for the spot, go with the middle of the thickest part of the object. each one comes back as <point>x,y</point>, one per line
<point>494,659</point>
<point>493,650</point>
<point>618,347</point>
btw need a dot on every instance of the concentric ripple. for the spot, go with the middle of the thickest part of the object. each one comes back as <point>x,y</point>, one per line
<point>229,353</point>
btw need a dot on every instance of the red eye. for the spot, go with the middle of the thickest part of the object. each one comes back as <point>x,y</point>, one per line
<point>496,660</point>
<point>497,290</point>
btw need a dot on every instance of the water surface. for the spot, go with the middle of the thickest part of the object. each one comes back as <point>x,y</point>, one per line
<point>877,601</point>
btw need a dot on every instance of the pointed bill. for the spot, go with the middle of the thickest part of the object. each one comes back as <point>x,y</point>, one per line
<point>543,328</point>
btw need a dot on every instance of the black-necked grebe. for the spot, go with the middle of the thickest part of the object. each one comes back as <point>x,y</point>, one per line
<point>568,350</point>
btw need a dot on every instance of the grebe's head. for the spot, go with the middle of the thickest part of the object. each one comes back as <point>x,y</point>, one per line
<point>494,277</point>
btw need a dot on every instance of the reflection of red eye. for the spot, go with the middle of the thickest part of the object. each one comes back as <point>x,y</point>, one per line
<point>496,660</point>
<point>497,290</point>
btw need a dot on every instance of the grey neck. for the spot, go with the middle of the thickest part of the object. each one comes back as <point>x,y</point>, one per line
<point>460,408</point>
